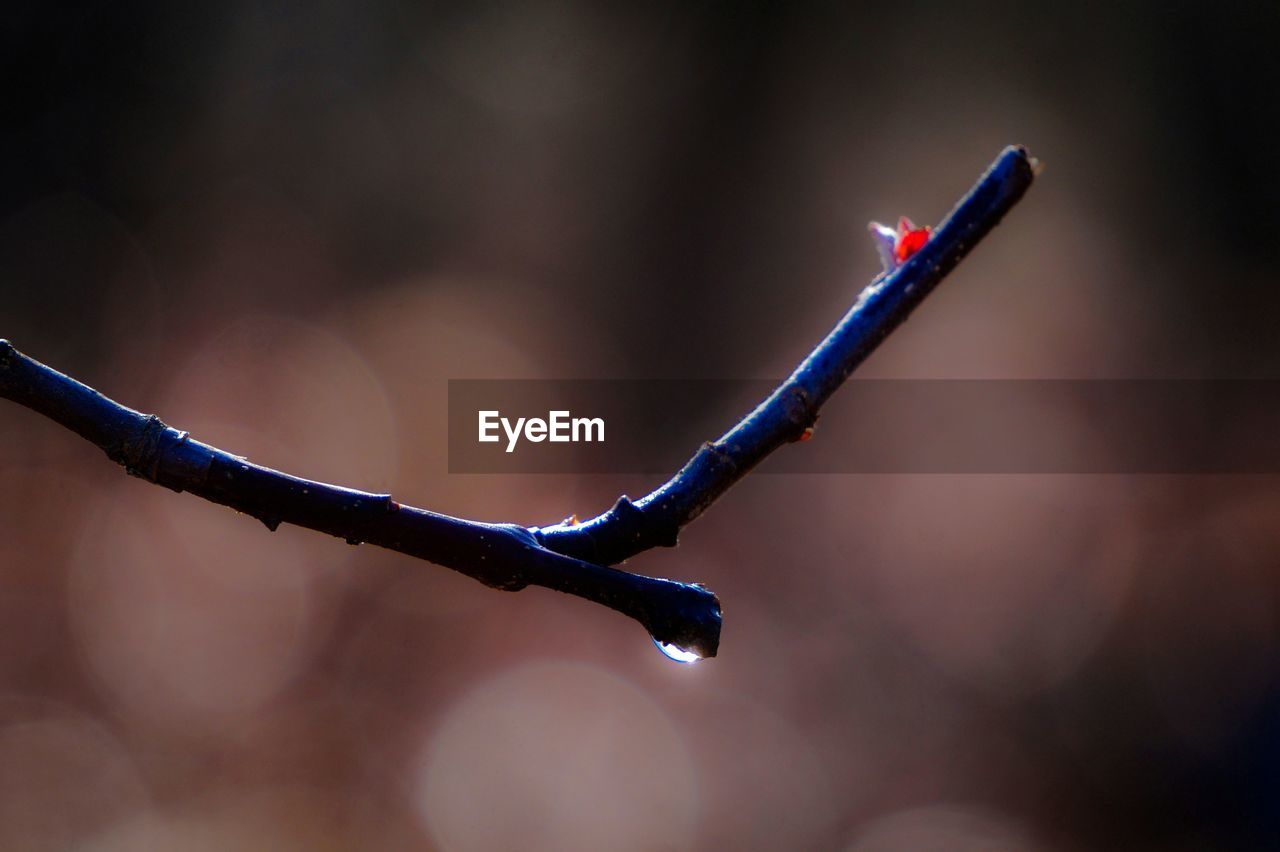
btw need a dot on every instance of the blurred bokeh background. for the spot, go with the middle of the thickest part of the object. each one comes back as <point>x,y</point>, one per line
<point>284,226</point>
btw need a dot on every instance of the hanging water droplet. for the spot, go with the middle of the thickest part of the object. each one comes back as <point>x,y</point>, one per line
<point>675,652</point>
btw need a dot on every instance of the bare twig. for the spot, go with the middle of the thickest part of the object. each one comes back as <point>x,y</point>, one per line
<point>503,556</point>
<point>567,558</point>
<point>631,527</point>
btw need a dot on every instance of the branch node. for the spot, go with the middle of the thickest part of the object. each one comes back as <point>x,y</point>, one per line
<point>800,413</point>
<point>643,527</point>
<point>140,451</point>
<point>628,514</point>
<point>720,459</point>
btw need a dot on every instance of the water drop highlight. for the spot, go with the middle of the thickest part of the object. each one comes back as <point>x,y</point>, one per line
<point>675,652</point>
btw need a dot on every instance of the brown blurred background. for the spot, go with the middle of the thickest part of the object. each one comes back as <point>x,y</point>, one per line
<point>285,226</point>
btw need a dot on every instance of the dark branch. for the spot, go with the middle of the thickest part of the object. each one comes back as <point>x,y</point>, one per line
<point>567,558</point>
<point>503,556</point>
<point>632,527</point>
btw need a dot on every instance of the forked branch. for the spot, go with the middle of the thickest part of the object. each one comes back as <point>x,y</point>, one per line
<point>632,527</point>
<point>568,558</point>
